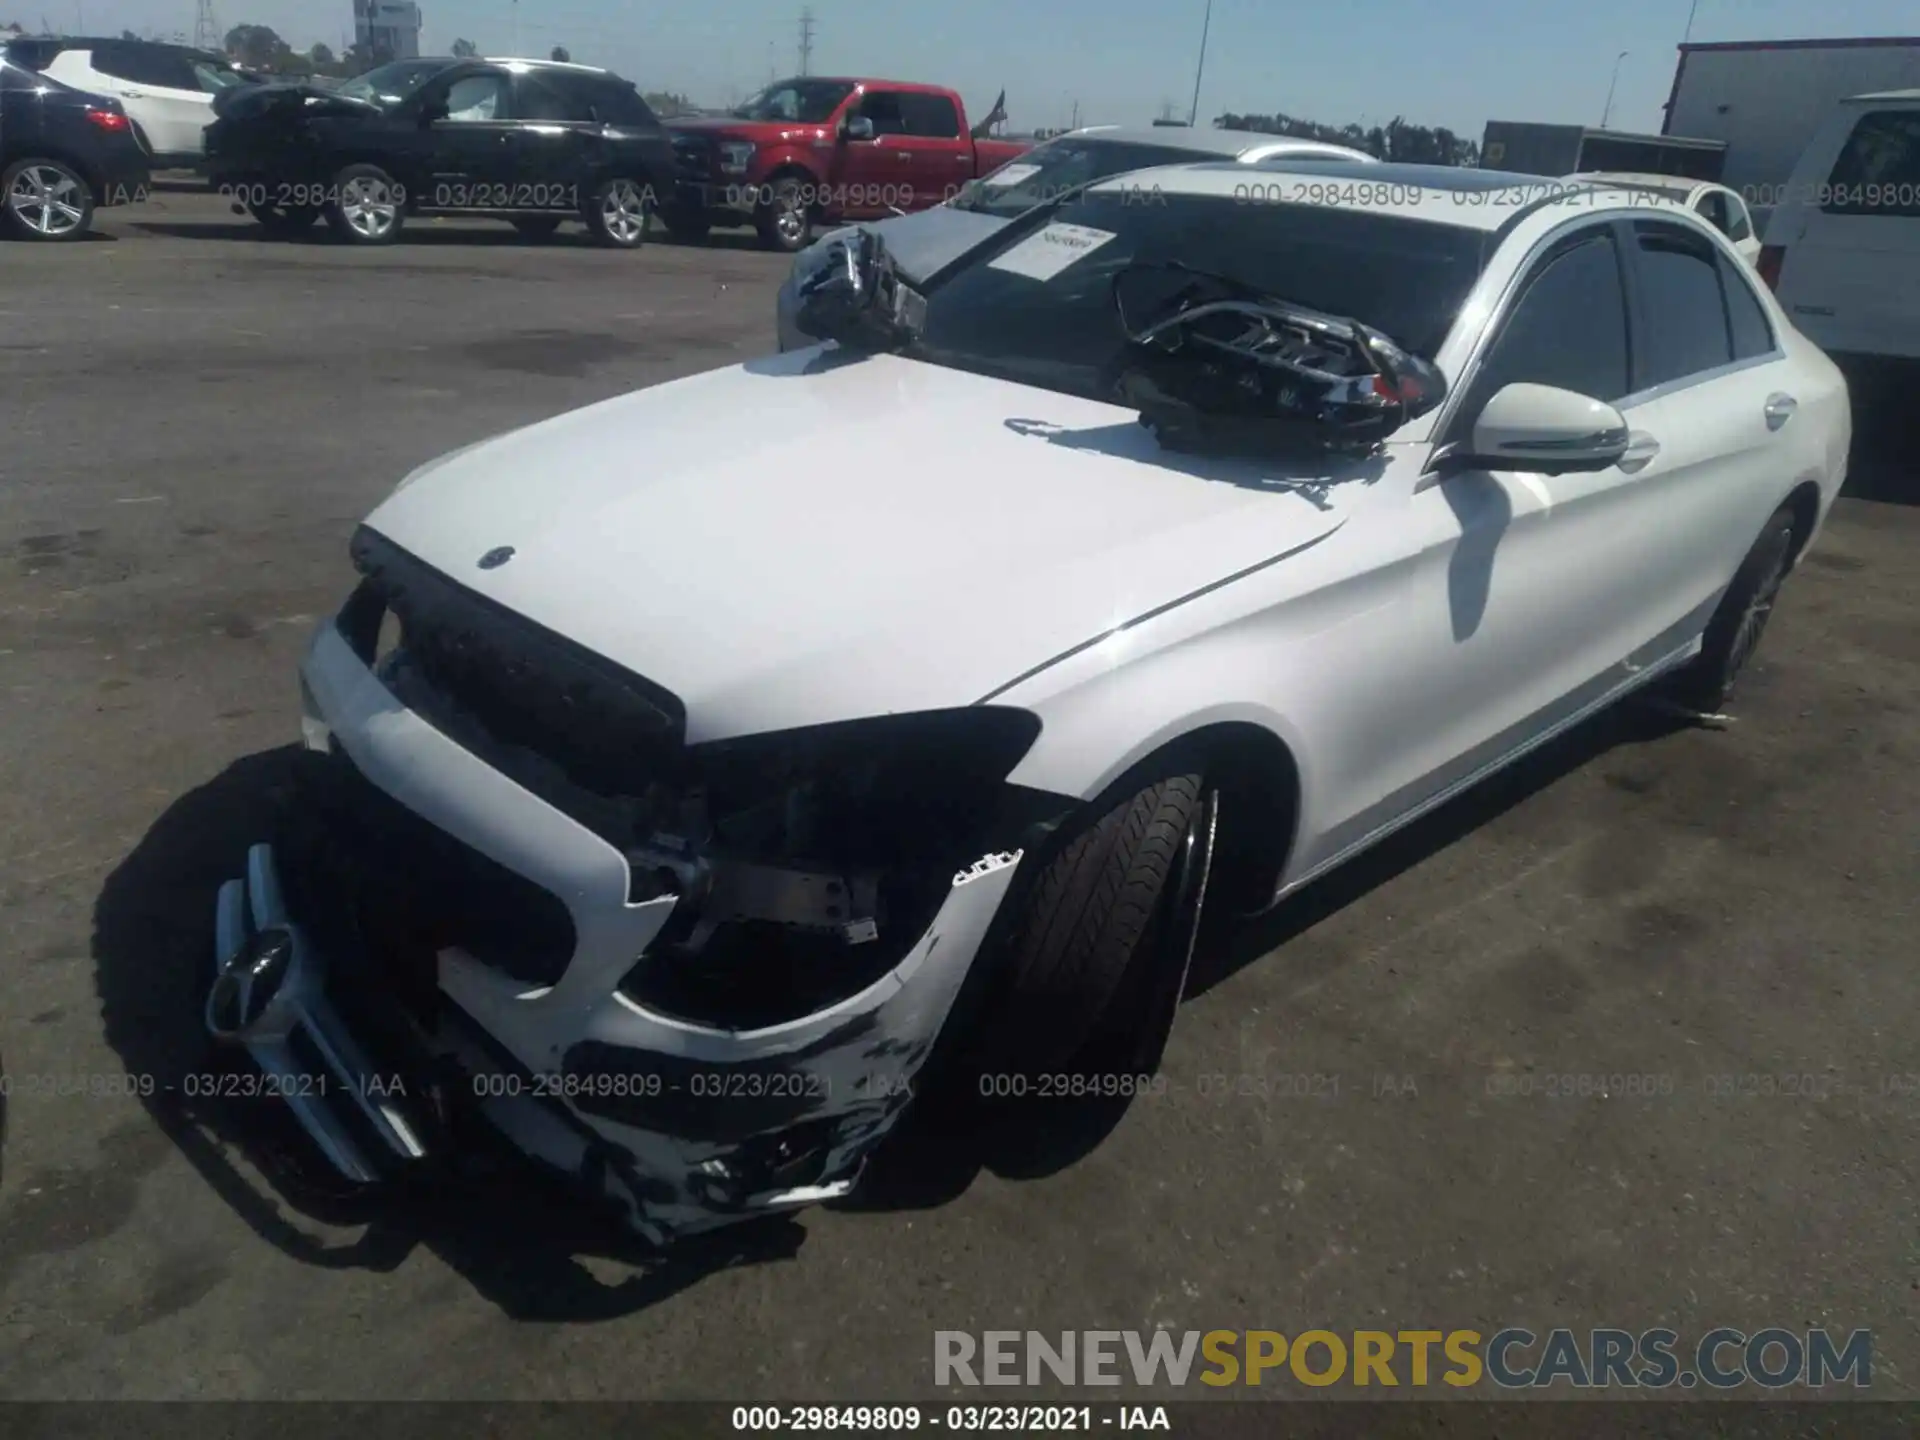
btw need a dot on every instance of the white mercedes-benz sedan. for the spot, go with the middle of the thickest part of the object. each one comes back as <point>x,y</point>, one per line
<point>704,807</point>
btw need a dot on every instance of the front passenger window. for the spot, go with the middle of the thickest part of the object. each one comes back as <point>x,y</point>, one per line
<point>1568,328</point>
<point>884,111</point>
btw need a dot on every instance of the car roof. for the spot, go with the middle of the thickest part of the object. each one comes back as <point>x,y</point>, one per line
<point>1442,194</point>
<point>1208,141</point>
<point>531,63</point>
<point>1880,97</point>
<point>1678,184</point>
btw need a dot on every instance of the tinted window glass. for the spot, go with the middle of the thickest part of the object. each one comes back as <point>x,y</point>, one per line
<point>1752,331</point>
<point>1739,226</point>
<point>145,65</point>
<point>933,116</point>
<point>1568,328</point>
<point>607,99</point>
<point>882,107</point>
<point>1406,278</point>
<point>1878,173</point>
<point>1686,317</point>
<point>537,100</point>
<point>477,98</point>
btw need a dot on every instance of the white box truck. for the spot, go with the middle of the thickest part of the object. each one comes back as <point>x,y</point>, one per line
<point>1767,98</point>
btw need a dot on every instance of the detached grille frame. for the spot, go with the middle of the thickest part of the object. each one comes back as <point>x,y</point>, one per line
<point>608,730</point>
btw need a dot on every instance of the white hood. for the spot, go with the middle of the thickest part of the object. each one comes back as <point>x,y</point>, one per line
<point>811,538</point>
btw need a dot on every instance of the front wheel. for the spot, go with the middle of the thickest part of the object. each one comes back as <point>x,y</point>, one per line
<point>1733,634</point>
<point>620,214</point>
<point>1101,943</point>
<point>370,206</point>
<point>45,200</point>
<point>784,219</point>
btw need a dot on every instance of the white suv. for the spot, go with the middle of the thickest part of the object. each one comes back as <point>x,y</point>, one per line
<point>1843,247</point>
<point>166,90</point>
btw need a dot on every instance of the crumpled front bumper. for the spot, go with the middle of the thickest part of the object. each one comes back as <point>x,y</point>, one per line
<point>682,1126</point>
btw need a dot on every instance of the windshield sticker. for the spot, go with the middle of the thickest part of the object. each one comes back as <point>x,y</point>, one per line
<point>1011,175</point>
<point>1043,255</point>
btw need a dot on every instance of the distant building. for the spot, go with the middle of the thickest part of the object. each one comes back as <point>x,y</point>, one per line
<point>387,27</point>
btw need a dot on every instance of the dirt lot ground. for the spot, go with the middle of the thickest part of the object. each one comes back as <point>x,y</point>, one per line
<point>193,422</point>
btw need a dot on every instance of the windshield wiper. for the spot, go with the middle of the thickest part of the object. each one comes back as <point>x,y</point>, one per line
<point>856,297</point>
<point>1250,370</point>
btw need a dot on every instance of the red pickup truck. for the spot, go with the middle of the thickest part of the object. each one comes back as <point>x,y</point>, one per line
<point>814,151</point>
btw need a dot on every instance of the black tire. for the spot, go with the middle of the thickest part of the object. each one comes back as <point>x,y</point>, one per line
<point>1086,929</point>
<point>784,219</point>
<point>620,213</point>
<point>1735,629</point>
<point>537,227</point>
<point>284,220</point>
<point>686,229</point>
<point>37,195</point>
<point>370,208</point>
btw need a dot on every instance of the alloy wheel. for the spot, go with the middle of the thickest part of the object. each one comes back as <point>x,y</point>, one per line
<point>367,203</point>
<point>1753,619</point>
<point>623,210</point>
<point>43,197</point>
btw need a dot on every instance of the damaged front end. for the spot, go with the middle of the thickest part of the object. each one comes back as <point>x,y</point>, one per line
<point>701,979</point>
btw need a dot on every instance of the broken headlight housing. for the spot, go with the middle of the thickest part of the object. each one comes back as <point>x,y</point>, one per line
<point>808,863</point>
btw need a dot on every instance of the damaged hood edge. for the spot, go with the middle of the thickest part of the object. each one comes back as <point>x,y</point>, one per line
<point>811,538</point>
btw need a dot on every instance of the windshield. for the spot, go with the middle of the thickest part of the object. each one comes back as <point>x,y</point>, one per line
<point>215,75</point>
<point>388,84</point>
<point>799,102</point>
<point>1050,170</point>
<point>1035,304</point>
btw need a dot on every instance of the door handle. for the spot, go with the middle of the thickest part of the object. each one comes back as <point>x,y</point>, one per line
<point>1780,408</point>
<point>134,94</point>
<point>1641,448</point>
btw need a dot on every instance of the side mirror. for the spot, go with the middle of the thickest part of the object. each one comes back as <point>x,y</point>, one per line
<point>1547,430</point>
<point>432,110</point>
<point>857,127</point>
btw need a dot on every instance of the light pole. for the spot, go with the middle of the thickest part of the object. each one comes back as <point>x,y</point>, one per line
<point>1608,112</point>
<point>1689,33</point>
<point>1193,112</point>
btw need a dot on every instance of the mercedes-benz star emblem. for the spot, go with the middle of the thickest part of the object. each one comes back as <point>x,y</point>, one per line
<point>496,557</point>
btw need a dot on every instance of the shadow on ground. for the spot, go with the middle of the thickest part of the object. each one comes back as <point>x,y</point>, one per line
<point>519,1238</point>
<point>423,231</point>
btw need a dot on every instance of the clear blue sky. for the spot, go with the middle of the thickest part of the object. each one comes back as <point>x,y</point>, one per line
<point>1437,62</point>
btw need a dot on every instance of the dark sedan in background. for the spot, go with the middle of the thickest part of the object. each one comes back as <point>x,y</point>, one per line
<point>63,154</point>
<point>535,143</point>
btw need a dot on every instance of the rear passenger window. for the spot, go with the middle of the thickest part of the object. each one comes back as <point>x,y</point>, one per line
<point>1878,172</point>
<point>1686,314</point>
<point>1752,331</point>
<point>538,101</point>
<point>1568,329</point>
<point>931,116</point>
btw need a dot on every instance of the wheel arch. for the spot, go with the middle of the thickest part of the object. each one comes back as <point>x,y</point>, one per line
<point>1803,504</point>
<point>1252,759</point>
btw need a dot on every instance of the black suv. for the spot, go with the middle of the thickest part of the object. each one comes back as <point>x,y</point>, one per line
<point>527,141</point>
<point>62,153</point>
